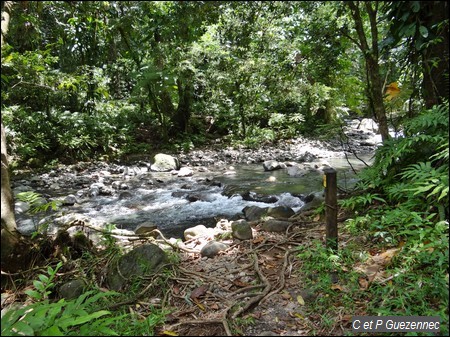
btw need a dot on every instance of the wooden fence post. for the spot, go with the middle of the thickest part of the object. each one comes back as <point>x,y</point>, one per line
<point>331,208</point>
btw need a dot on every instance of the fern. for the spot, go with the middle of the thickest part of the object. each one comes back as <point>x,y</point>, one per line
<point>61,318</point>
<point>37,202</point>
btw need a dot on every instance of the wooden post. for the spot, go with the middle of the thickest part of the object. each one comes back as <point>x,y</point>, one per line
<point>331,208</point>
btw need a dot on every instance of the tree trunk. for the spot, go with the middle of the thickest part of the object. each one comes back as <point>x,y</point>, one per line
<point>435,58</point>
<point>13,252</point>
<point>10,236</point>
<point>371,59</point>
<point>183,112</point>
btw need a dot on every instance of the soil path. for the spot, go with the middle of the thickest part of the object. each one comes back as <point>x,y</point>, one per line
<point>252,289</point>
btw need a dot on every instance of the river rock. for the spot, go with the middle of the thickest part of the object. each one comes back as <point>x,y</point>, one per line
<point>164,163</point>
<point>185,172</point>
<point>273,225</point>
<point>271,165</point>
<point>198,231</point>
<point>280,212</point>
<point>212,248</point>
<point>251,196</point>
<point>72,289</point>
<point>253,213</point>
<point>141,261</point>
<point>312,200</point>
<point>241,230</point>
<point>145,228</point>
<point>70,200</point>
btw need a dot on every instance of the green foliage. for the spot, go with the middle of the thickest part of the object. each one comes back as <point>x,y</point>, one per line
<point>361,201</point>
<point>410,178</point>
<point>69,135</point>
<point>37,203</point>
<point>44,283</point>
<point>331,295</point>
<point>427,136</point>
<point>68,318</point>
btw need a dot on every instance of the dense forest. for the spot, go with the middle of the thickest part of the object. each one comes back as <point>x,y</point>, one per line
<point>88,81</point>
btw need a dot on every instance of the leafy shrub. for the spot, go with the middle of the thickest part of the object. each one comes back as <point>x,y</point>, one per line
<point>410,175</point>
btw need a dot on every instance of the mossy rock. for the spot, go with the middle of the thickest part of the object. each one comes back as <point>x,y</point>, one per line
<point>141,261</point>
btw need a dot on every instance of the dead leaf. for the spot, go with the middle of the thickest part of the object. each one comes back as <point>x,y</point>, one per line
<point>385,258</point>
<point>296,315</point>
<point>239,283</point>
<point>363,283</point>
<point>200,291</point>
<point>259,239</point>
<point>347,318</point>
<point>317,217</point>
<point>300,300</point>
<point>201,306</point>
<point>169,333</point>
<point>336,287</point>
<point>392,91</point>
<point>286,295</point>
<point>214,306</point>
<point>176,290</point>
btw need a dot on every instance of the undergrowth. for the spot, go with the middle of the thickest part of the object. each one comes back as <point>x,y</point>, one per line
<point>402,206</point>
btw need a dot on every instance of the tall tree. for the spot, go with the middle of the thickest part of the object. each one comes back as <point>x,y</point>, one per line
<point>367,41</point>
<point>10,236</point>
<point>423,28</point>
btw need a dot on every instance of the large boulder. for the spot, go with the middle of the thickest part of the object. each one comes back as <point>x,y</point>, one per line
<point>164,163</point>
<point>141,261</point>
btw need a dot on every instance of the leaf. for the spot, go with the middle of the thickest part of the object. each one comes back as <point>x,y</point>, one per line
<point>300,300</point>
<point>201,306</point>
<point>239,283</point>
<point>336,287</point>
<point>43,278</point>
<point>259,239</point>
<point>169,333</point>
<point>52,331</point>
<point>200,291</point>
<point>71,321</point>
<point>363,283</point>
<point>392,91</point>
<point>33,293</point>
<point>23,328</point>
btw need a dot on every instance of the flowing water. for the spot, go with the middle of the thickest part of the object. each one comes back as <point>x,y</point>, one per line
<point>168,205</point>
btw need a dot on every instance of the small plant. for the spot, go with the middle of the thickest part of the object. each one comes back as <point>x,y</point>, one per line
<point>75,317</point>
<point>37,203</point>
<point>44,284</point>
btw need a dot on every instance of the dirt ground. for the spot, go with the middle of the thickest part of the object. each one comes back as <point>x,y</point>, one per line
<point>252,289</point>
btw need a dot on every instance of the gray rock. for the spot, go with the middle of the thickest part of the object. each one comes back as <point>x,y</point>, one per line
<point>253,213</point>
<point>125,195</point>
<point>70,200</point>
<point>312,200</point>
<point>141,261</point>
<point>271,165</point>
<point>198,231</point>
<point>273,225</point>
<point>21,207</point>
<point>145,228</point>
<point>241,230</point>
<point>212,248</point>
<point>185,172</point>
<point>26,226</point>
<point>72,289</point>
<point>164,163</point>
<point>280,212</point>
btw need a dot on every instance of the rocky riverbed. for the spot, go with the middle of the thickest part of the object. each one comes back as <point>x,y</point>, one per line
<point>206,185</point>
